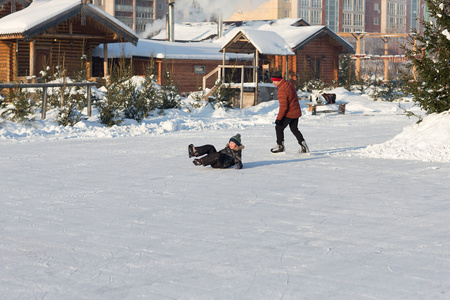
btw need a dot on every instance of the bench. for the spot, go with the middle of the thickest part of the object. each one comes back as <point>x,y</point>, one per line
<point>313,107</point>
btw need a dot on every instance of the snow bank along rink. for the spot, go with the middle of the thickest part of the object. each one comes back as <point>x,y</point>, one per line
<point>428,141</point>
<point>122,213</point>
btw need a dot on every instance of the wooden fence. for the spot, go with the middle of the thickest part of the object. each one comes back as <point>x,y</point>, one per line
<point>45,86</point>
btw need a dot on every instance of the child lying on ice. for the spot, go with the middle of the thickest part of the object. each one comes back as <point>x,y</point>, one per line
<point>225,158</point>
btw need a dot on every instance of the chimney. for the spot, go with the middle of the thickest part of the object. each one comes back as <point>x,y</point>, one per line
<point>171,20</point>
<point>220,26</point>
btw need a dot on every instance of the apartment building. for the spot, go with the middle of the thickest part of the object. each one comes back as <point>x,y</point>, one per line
<point>134,13</point>
<point>269,10</point>
<point>389,16</point>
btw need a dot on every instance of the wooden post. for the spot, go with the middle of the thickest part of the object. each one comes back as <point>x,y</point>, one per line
<point>44,102</point>
<point>255,77</point>
<point>16,61</point>
<point>358,59</point>
<point>385,40</point>
<point>358,37</point>
<point>287,68</point>
<point>89,104</point>
<point>242,87</point>
<point>32,55</point>
<point>222,70</point>
<point>134,16</point>
<point>105,60</point>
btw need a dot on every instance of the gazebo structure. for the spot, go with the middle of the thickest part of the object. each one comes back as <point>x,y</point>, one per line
<point>258,43</point>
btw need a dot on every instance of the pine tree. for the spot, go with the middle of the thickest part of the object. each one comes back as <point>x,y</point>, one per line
<point>169,93</point>
<point>118,90</point>
<point>142,102</point>
<point>428,79</point>
<point>347,73</point>
<point>20,107</point>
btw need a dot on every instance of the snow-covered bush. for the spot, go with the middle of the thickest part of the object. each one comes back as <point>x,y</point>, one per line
<point>20,105</point>
<point>169,96</point>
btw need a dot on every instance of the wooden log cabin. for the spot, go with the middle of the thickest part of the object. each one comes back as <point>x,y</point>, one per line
<point>317,50</point>
<point>187,62</point>
<point>51,33</point>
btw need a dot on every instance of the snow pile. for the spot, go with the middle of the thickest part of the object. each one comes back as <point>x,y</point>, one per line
<point>426,141</point>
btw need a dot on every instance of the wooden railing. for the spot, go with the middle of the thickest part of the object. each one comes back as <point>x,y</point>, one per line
<point>45,86</point>
<point>221,71</point>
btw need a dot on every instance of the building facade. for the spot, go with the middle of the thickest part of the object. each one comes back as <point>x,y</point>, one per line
<point>136,14</point>
<point>379,16</point>
<point>269,10</point>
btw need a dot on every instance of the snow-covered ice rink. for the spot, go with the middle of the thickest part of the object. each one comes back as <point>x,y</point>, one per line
<point>122,213</point>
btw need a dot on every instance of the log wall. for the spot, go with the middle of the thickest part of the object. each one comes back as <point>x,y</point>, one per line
<point>301,65</point>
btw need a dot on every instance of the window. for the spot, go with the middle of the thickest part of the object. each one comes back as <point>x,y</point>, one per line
<point>347,5</point>
<point>358,20</point>
<point>391,9</point>
<point>376,21</point>
<point>199,70</point>
<point>316,3</point>
<point>376,7</point>
<point>391,22</point>
<point>401,9</point>
<point>316,17</point>
<point>304,3</point>
<point>303,13</point>
<point>347,20</point>
<point>358,5</point>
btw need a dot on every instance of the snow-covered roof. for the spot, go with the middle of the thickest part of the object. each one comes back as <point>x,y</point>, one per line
<point>167,50</point>
<point>191,32</point>
<point>43,14</point>
<point>296,36</point>
<point>34,14</point>
<point>266,42</point>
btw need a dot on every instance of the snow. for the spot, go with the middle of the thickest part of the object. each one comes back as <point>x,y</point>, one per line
<point>168,50</point>
<point>44,10</point>
<point>37,12</point>
<point>191,31</point>
<point>446,33</point>
<point>91,212</point>
<point>293,35</point>
<point>266,42</point>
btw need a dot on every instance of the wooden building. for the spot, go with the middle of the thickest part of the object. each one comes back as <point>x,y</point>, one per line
<point>317,50</point>
<point>188,63</point>
<point>53,33</point>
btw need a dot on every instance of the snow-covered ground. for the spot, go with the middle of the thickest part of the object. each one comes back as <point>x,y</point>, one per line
<point>91,212</point>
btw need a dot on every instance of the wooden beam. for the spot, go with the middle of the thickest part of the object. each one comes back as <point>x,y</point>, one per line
<point>255,77</point>
<point>76,36</point>
<point>105,60</point>
<point>385,40</point>
<point>11,37</point>
<point>32,58</point>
